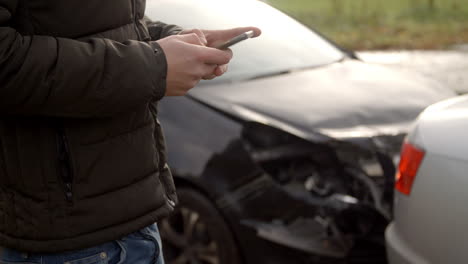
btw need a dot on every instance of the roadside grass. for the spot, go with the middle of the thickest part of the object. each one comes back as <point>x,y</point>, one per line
<point>384,24</point>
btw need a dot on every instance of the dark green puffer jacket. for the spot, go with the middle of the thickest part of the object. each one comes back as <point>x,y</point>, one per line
<point>82,157</point>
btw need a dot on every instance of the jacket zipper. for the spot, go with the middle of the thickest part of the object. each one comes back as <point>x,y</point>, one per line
<point>161,162</point>
<point>135,20</point>
<point>65,168</point>
<point>3,169</point>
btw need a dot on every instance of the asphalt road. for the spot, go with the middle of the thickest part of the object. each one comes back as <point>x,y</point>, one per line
<point>447,67</point>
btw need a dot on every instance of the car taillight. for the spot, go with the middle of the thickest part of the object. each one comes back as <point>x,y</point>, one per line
<point>411,158</point>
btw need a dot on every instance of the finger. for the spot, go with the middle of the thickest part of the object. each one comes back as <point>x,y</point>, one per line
<point>218,36</point>
<point>197,32</point>
<point>207,71</point>
<point>210,77</point>
<point>215,56</point>
<point>220,70</point>
<point>192,38</point>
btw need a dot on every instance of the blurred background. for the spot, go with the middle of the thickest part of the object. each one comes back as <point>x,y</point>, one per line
<point>383,24</point>
<point>428,36</point>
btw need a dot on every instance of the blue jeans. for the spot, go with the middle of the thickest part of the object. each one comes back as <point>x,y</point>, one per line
<point>141,247</point>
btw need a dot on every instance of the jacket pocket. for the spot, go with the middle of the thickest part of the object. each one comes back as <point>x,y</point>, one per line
<point>65,167</point>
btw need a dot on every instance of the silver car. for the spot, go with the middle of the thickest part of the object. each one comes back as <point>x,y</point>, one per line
<point>430,211</point>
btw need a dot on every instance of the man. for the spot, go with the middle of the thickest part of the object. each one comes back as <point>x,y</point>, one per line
<point>83,172</point>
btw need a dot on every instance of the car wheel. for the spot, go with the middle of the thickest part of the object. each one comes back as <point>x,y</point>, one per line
<point>196,233</point>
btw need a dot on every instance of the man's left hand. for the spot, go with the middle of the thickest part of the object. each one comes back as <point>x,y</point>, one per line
<point>213,38</point>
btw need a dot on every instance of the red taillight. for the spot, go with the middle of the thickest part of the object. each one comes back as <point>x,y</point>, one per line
<point>411,158</point>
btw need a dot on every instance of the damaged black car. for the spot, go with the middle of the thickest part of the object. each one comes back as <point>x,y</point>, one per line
<point>290,156</point>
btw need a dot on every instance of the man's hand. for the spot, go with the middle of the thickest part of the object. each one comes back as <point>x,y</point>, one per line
<point>189,60</point>
<point>217,37</point>
<point>213,38</point>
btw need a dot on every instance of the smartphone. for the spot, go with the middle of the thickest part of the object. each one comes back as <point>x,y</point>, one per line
<point>235,40</point>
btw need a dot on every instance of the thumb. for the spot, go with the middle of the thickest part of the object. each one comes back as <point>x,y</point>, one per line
<point>218,36</point>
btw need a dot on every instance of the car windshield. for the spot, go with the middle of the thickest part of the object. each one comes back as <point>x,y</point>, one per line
<point>285,44</point>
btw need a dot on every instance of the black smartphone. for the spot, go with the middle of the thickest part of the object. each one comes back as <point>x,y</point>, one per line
<point>235,40</point>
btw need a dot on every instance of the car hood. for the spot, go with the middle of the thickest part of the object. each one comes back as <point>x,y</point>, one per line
<point>346,99</point>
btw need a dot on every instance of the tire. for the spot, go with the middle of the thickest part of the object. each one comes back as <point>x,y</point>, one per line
<point>196,233</point>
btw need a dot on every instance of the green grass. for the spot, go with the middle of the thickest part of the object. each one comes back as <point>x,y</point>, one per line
<point>384,24</point>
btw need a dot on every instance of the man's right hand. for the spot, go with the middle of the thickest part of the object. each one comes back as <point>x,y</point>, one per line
<point>189,60</point>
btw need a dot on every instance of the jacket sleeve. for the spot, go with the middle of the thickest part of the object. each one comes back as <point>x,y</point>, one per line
<point>159,30</point>
<point>44,75</point>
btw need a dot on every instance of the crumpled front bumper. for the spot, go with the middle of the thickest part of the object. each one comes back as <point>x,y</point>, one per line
<point>303,234</point>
